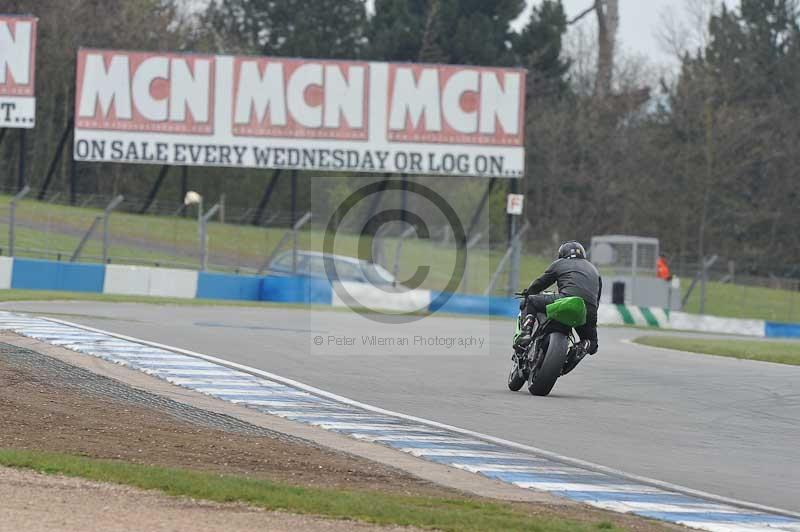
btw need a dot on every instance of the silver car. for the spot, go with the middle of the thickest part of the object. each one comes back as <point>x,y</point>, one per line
<point>343,268</point>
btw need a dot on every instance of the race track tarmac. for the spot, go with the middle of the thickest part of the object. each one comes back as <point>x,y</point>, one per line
<point>720,425</point>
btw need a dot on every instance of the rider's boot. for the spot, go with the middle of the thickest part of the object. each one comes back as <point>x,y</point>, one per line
<point>526,332</point>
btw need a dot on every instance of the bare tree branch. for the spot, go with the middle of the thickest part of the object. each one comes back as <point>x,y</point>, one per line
<point>582,14</point>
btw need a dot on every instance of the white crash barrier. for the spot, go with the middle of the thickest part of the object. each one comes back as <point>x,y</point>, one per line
<point>6,270</point>
<point>713,324</point>
<point>360,295</point>
<point>147,281</point>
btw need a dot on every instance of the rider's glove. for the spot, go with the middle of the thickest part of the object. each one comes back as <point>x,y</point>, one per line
<point>523,298</point>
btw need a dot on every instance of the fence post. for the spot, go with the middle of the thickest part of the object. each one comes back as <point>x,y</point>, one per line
<point>291,233</point>
<point>399,249</point>
<point>13,218</point>
<point>204,236</point>
<point>106,215</point>
<point>509,252</point>
<point>471,243</point>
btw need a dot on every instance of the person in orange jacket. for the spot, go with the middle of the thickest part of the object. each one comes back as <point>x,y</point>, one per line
<point>662,269</point>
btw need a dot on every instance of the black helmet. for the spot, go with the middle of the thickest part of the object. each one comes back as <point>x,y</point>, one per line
<point>571,250</point>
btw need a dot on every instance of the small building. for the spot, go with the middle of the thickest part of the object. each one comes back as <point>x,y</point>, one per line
<point>628,265</point>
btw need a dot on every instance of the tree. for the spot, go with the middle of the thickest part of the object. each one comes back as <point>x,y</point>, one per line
<point>607,13</point>
<point>469,32</point>
<point>290,28</point>
<point>539,48</point>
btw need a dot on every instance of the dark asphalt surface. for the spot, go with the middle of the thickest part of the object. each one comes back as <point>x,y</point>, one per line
<point>725,426</point>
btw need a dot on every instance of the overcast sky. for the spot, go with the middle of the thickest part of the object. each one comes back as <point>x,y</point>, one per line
<point>639,23</point>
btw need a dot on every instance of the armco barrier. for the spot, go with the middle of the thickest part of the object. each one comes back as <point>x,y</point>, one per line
<point>29,274</point>
<point>136,280</point>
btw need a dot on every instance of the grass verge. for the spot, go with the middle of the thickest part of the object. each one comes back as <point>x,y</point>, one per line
<point>23,296</point>
<point>46,295</point>
<point>371,507</point>
<point>173,241</point>
<point>778,352</point>
<point>751,302</point>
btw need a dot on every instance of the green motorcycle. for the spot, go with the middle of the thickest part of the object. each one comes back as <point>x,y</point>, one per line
<point>553,350</point>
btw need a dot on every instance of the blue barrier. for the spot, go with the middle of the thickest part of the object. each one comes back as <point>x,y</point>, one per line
<point>475,305</point>
<point>781,330</point>
<point>297,290</point>
<point>233,287</point>
<point>30,274</point>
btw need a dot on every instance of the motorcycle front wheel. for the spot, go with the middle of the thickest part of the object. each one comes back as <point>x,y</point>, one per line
<point>516,378</point>
<point>544,378</point>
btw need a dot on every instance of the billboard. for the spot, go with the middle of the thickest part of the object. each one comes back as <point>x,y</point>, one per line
<point>264,112</point>
<point>17,71</point>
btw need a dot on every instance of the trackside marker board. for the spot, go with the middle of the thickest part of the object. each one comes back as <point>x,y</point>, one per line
<point>17,71</point>
<point>263,112</point>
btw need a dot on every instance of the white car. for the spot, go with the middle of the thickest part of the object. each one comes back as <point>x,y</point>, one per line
<point>343,268</point>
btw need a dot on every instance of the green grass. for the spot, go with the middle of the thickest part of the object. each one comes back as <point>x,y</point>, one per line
<point>779,352</point>
<point>8,296</point>
<point>379,508</point>
<point>738,301</point>
<point>46,295</point>
<point>174,240</point>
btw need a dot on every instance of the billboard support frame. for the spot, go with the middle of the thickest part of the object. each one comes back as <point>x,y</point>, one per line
<point>294,220</point>
<point>481,206</point>
<point>264,201</point>
<point>51,170</point>
<point>151,196</point>
<point>21,181</point>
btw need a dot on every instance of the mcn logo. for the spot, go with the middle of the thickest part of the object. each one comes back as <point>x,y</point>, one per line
<point>169,93</point>
<point>17,56</point>
<point>455,105</point>
<point>300,98</point>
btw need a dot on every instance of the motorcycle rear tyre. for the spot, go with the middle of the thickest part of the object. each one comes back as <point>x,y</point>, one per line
<point>545,378</point>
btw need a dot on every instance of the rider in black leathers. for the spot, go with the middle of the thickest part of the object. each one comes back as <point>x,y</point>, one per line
<point>575,276</point>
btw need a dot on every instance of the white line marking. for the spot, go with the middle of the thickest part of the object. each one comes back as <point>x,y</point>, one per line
<point>577,486</point>
<point>460,453</point>
<point>534,470</point>
<point>411,437</point>
<point>500,441</point>
<point>631,506</point>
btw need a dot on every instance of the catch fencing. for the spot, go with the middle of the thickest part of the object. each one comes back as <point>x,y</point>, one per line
<point>169,236</point>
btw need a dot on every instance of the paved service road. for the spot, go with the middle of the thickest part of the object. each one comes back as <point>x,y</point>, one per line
<point>725,426</point>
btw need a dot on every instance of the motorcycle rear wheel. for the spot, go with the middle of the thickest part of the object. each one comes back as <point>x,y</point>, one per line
<point>543,379</point>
